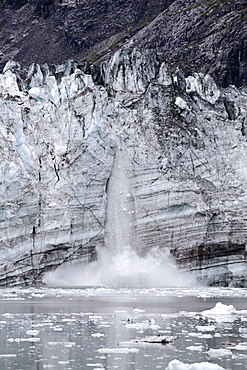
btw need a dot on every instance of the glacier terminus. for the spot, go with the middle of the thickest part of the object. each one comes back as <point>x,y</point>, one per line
<point>65,128</point>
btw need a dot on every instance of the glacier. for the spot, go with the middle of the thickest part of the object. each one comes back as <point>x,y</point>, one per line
<point>64,127</point>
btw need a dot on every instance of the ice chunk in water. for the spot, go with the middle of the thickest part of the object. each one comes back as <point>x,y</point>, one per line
<point>241,347</point>
<point>177,365</point>
<point>220,309</point>
<point>221,312</point>
<point>220,352</point>
<point>195,348</point>
<point>32,332</point>
<point>118,350</point>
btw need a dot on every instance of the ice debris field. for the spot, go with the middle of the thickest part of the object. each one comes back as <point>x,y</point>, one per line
<point>108,328</point>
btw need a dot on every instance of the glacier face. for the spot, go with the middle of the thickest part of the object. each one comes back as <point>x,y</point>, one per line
<point>185,141</point>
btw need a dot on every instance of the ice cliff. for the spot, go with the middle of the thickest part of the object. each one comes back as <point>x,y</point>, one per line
<point>185,140</point>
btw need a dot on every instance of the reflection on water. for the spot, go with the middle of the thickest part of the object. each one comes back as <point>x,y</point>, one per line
<point>96,328</point>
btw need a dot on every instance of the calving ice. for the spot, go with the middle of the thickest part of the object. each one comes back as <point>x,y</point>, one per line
<point>120,262</point>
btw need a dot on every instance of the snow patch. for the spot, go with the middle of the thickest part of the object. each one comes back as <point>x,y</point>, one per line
<point>204,86</point>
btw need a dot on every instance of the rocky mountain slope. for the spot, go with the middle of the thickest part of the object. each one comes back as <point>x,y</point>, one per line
<point>208,36</point>
<point>52,31</point>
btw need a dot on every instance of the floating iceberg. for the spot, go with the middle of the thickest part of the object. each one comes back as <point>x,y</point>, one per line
<point>221,312</point>
<point>177,365</point>
<point>219,352</point>
<point>221,309</point>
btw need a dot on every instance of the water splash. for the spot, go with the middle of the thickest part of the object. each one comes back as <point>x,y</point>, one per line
<point>122,269</point>
<point>119,264</point>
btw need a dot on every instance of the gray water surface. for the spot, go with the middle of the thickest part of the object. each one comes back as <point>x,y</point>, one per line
<point>101,328</point>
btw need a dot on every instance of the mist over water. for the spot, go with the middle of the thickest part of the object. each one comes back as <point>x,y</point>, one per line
<point>119,264</point>
<point>122,269</point>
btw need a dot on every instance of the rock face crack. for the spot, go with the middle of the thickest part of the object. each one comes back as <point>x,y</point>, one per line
<point>56,172</point>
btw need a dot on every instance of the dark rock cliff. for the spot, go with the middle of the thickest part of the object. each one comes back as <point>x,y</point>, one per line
<point>206,36</point>
<point>51,31</point>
